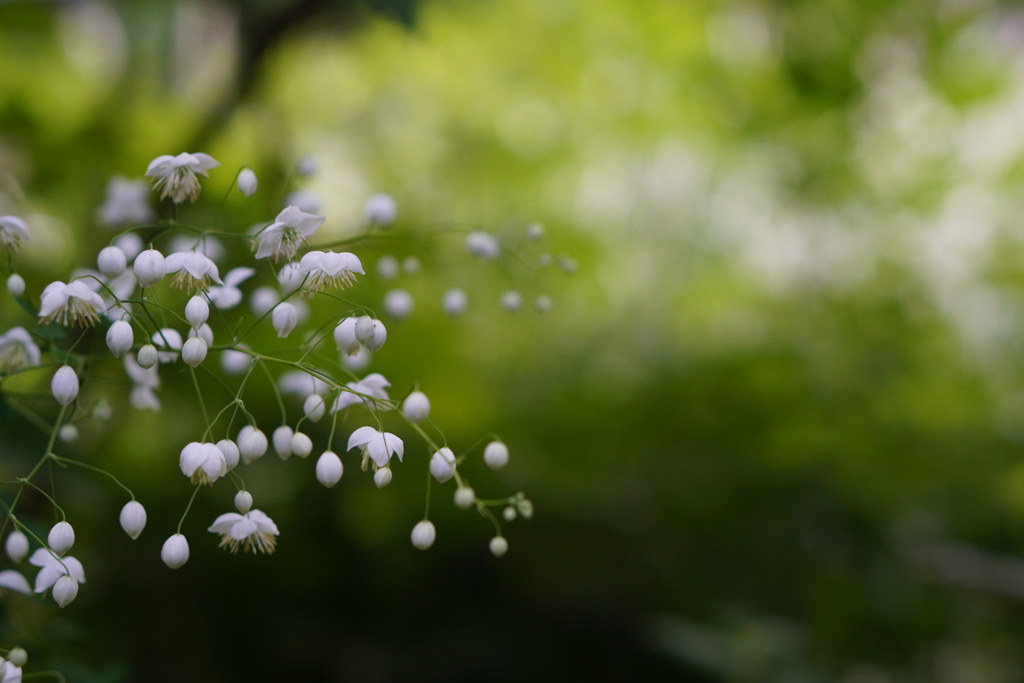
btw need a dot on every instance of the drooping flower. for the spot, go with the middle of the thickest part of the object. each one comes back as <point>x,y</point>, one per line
<point>496,455</point>
<point>416,406</point>
<point>10,673</point>
<point>254,532</point>
<point>423,534</point>
<point>330,269</point>
<point>380,209</point>
<point>16,285</point>
<point>398,303</point>
<point>112,261</point>
<point>247,182</point>
<point>17,350</point>
<point>70,304</point>
<point>133,518</point>
<point>442,464</point>
<point>64,385</point>
<point>366,390</point>
<point>144,381</point>
<point>483,244</point>
<point>289,230</point>
<point>202,463</point>
<point>193,270</point>
<point>329,469</point>
<point>284,318</point>
<point>150,267</point>
<point>12,231</point>
<point>168,342</point>
<point>175,176</point>
<point>454,302</point>
<point>229,295</point>
<point>371,332</point>
<point>174,552</point>
<point>378,446</point>
<point>120,338</point>
<point>16,546</point>
<point>52,568</point>
<point>15,581</point>
<point>125,203</point>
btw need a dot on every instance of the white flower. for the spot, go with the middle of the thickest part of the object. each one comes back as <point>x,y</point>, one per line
<point>498,546</point>
<point>253,532</point>
<point>379,446</point>
<point>125,203</point>
<point>301,383</point>
<point>70,304</point>
<point>64,385</point>
<point>423,535</point>
<point>482,244</point>
<point>290,277</point>
<point>133,518</point>
<point>380,209</point>
<point>330,269</point>
<point>65,590</point>
<point>16,284</point>
<point>68,434</point>
<point>542,303</point>
<point>314,407</point>
<point>454,302</point>
<point>302,445</point>
<point>329,468</point>
<point>282,438</point>
<point>203,463</point>
<point>175,551</point>
<point>243,501</point>
<point>120,338</point>
<point>235,362</point>
<point>15,581</point>
<point>10,672</point>
<point>398,303</point>
<point>285,317</point>
<point>247,182</point>
<point>289,230</point>
<point>368,390</point>
<point>197,311</point>
<point>204,332</point>
<point>53,567</point>
<point>17,350</point>
<point>511,300</point>
<point>194,351</point>
<point>371,332</point>
<point>387,267</point>
<point>229,295</point>
<point>210,247</point>
<point>416,406</point>
<point>411,264</point>
<point>147,356</point>
<point>231,453</point>
<point>150,267</point>
<point>464,498</point>
<point>496,455</point>
<point>144,381</point>
<point>61,538</point>
<point>442,464</point>
<point>345,336</point>
<point>130,243</point>
<point>304,200</point>
<point>358,361</point>
<point>263,299</point>
<point>168,341</point>
<point>175,177</point>
<point>382,477</point>
<point>252,443</point>
<point>16,546</point>
<point>194,270</point>
<point>112,261</point>
<point>534,231</point>
<point>12,231</point>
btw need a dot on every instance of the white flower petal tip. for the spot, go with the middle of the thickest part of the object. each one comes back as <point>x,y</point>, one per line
<point>416,406</point>
<point>498,546</point>
<point>247,182</point>
<point>423,535</point>
<point>15,581</point>
<point>175,551</point>
<point>175,176</point>
<point>442,465</point>
<point>329,469</point>
<point>496,455</point>
<point>253,532</point>
<point>192,270</point>
<point>64,385</point>
<point>133,518</point>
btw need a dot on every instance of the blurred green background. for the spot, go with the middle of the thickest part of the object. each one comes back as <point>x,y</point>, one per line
<point>771,426</point>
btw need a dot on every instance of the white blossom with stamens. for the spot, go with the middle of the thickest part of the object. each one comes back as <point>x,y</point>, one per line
<point>330,269</point>
<point>378,446</point>
<point>12,231</point>
<point>70,304</point>
<point>229,295</point>
<point>254,532</point>
<point>193,270</point>
<point>288,231</point>
<point>125,203</point>
<point>17,350</point>
<point>175,176</point>
<point>370,390</point>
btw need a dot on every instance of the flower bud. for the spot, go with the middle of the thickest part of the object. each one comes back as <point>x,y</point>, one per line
<point>243,501</point>
<point>302,445</point>
<point>65,590</point>
<point>120,338</point>
<point>542,303</point>
<point>262,300</point>
<point>525,508</point>
<point>285,317</point>
<point>454,302</point>
<point>314,407</point>
<point>509,514</point>
<point>194,351</point>
<point>64,385</point>
<point>149,267</point>
<point>482,244</point>
<point>16,546</point>
<point>235,362</point>
<point>423,535</point>
<point>230,451</point>
<point>290,277</point>
<point>496,455</point>
<point>329,469</point>
<point>411,264</point>
<point>68,434</point>
<point>387,267</point>
<point>247,182</point>
<point>282,438</point>
<point>204,332</point>
<point>103,411</point>
<point>398,303</point>
<point>442,465</point>
<point>511,300</point>
<point>197,311</point>
<point>534,231</point>
<point>499,546</point>
<point>382,477</point>
<point>147,356</point>
<point>112,261</point>
<point>17,656</point>
<point>175,551</point>
<point>133,518</point>
<point>380,209</point>
<point>61,538</point>
<point>345,336</point>
<point>416,406</point>
<point>16,285</point>
<point>252,443</point>
<point>371,332</point>
<point>465,496</point>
